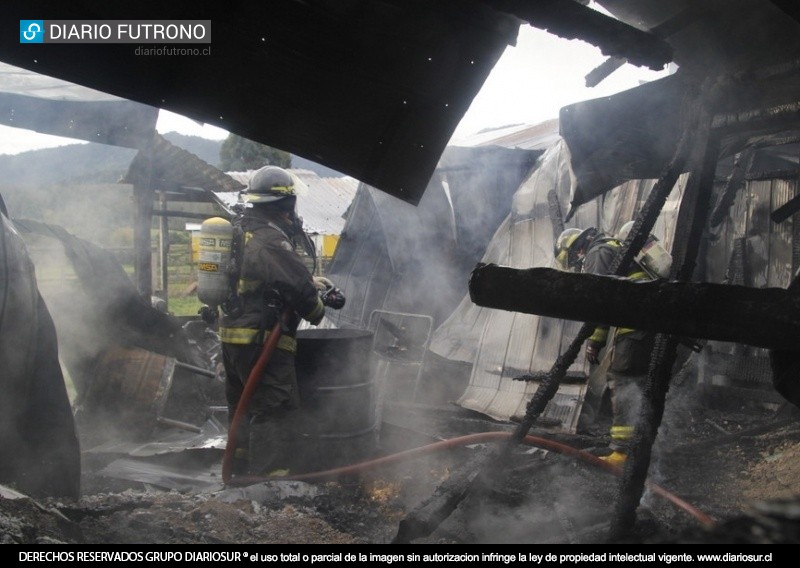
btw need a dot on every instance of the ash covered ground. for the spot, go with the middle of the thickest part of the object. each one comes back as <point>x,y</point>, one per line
<point>740,467</point>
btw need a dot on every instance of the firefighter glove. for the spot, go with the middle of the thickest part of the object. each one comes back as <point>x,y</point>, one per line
<point>322,284</point>
<point>593,349</point>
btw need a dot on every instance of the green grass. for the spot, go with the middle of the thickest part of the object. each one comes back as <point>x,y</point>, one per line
<point>183,305</point>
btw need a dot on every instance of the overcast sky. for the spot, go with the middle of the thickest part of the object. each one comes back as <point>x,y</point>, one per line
<point>529,84</point>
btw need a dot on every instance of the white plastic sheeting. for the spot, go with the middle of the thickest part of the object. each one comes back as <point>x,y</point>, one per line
<point>504,345</point>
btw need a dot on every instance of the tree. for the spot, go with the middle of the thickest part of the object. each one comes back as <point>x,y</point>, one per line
<point>239,154</point>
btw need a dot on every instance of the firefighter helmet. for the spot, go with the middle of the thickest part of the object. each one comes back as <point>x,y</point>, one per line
<point>652,257</point>
<point>270,184</point>
<point>570,246</point>
<point>624,231</point>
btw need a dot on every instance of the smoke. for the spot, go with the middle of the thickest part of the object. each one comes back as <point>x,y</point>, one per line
<point>40,449</point>
<point>116,350</point>
<point>542,499</point>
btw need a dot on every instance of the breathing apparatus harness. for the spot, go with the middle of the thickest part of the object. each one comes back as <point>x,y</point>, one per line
<point>228,267</point>
<point>232,306</point>
<point>221,268</point>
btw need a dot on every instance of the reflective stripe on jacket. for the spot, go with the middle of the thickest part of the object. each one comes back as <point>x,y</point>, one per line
<point>245,336</point>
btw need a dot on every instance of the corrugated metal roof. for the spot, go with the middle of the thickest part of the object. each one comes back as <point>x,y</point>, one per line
<point>321,201</point>
<point>526,136</point>
<point>166,166</point>
<point>327,200</point>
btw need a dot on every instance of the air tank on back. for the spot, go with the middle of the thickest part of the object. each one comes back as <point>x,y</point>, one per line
<point>213,281</point>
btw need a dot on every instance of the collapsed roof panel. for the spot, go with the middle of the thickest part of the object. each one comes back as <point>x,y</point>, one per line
<point>164,166</point>
<point>630,135</point>
<point>725,36</point>
<point>327,200</point>
<point>747,51</point>
<point>39,448</point>
<point>51,106</point>
<point>371,89</point>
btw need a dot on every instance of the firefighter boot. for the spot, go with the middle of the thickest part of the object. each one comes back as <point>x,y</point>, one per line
<point>615,458</point>
<point>268,448</point>
<point>620,439</point>
<point>239,465</point>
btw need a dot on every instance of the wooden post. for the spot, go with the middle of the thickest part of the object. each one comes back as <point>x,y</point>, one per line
<point>692,218</point>
<point>143,256</point>
<point>142,224</point>
<point>163,247</point>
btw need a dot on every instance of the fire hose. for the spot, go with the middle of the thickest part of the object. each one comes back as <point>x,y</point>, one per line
<point>530,440</point>
<point>250,386</point>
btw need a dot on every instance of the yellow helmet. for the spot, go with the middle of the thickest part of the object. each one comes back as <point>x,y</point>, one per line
<point>624,231</point>
<point>569,246</point>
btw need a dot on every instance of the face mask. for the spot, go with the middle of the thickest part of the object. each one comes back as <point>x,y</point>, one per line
<point>296,224</point>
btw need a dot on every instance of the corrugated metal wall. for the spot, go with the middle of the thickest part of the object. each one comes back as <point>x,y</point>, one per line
<point>504,345</point>
<point>749,249</point>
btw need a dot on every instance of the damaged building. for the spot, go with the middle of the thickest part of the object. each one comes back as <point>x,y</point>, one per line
<point>465,344</point>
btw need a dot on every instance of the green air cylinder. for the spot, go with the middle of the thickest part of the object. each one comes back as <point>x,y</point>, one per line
<point>213,281</point>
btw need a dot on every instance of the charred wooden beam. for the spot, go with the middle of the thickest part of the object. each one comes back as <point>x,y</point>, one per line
<point>429,514</point>
<point>606,68</point>
<point>781,115</point>
<point>763,317</point>
<point>741,166</point>
<point>692,218</point>
<point>787,174</point>
<point>786,210</point>
<point>571,20</point>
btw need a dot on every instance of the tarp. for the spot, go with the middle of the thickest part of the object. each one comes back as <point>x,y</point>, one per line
<point>371,89</point>
<point>39,451</point>
<point>52,106</point>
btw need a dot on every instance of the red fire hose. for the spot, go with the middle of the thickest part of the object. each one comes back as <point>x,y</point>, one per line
<point>249,388</point>
<point>544,443</point>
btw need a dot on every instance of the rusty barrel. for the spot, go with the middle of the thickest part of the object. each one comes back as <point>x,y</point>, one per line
<point>128,391</point>
<point>338,397</point>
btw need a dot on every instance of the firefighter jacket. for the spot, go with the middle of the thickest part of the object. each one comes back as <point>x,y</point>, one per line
<point>271,270</point>
<point>599,256</point>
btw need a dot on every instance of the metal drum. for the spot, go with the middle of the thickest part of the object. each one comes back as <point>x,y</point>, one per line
<point>338,397</point>
<point>128,391</point>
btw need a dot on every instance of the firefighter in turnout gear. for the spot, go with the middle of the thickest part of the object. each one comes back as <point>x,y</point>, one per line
<point>592,252</point>
<point>273,280</point>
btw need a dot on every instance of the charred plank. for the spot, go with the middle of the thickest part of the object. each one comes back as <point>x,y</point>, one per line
<point>426,517</point>
<point>762,317</point>
<point>571,20</point>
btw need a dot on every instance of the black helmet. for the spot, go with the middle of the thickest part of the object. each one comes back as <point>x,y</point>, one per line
<point>270,184</point>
